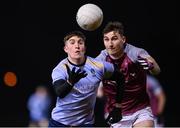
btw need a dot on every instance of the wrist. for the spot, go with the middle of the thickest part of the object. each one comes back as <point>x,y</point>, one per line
<point>150,65</point>
<point>69,83</point>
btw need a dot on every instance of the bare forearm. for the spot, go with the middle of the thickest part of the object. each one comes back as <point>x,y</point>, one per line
<point>156,69</point>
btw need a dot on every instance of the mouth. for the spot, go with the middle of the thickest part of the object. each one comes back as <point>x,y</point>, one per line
<point>77,52</point>
<point>111,48</point>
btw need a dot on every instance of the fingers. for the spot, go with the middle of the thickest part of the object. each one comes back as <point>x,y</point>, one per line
<point>115,115</point>
<point>109,120</point>
<point>145,63</point>
<point>78,71</point>
<point>81,73</point>
<point>73,69</point>
<point>84,73</point>
<point>142,61</point>
<point>75,75</point>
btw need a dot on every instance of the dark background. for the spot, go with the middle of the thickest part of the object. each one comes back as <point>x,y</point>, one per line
<point>31,45</point>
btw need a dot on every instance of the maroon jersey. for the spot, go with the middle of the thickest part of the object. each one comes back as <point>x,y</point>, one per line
<point>135,96</point>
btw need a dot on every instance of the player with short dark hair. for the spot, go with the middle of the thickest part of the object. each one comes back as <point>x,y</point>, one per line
<point>75,81</point>
<point>134,63</point>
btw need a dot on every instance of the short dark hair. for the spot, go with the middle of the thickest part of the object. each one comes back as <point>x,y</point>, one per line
<point>114,26</point>
<point>74,33</point>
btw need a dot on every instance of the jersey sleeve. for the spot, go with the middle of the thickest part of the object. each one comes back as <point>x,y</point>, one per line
<point>102,68</point>
<point>59,72</point>
<point>133,52</point>
<point>102,55</point>
<point>143,53</point>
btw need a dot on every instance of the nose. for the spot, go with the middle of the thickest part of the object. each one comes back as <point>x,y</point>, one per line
<point>110,43</point>
<point>77,45</point>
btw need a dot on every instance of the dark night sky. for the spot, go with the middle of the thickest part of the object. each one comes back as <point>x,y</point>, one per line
<point>31,45</point>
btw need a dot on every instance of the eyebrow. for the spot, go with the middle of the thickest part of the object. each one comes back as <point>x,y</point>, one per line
<point>71,39</point>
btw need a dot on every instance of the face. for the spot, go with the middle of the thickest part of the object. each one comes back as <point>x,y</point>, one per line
<point>75,48</point>
<point>114,43</point>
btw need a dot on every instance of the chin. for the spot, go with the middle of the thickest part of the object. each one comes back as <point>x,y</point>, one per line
<point>112,52</point>
<point>78,57</point>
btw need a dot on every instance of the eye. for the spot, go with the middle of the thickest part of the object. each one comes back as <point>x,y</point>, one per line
<point>114,38</point>
<point>71,41</point>
<point>81,42</point>
<point>106,39</point>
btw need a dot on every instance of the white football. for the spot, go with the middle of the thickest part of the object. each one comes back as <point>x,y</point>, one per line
<point>89,17</point>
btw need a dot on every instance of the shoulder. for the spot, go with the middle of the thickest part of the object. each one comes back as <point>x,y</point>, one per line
<point>102,55</point>
<point>104,52</point>
<point>61,64</point>
<point>59,72</point>
<point>94,62</point>
<point>60,67</point>
<point>133,51</point>
<point>97,62</point>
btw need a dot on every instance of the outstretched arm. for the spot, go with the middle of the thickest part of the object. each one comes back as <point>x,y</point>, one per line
<point>156,70</point>
<point>120,81</point>
<point>63,87</point>
<point>115,115</point>
<point>149,63</point>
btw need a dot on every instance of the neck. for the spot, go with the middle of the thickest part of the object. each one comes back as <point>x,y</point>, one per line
<point>117,55</point>
<point>77,62</point>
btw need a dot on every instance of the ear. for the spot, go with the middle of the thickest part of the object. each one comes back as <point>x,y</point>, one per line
<point>65,49</point>
<point>123,39</point>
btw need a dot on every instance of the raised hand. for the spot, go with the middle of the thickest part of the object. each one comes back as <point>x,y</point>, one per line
<point>75,76</point>
<point>147,65</point>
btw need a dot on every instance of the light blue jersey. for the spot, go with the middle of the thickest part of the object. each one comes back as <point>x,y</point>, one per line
<point>77,107</point>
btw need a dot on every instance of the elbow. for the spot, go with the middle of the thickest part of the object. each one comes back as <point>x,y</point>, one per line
<point>155,71</point>
<point>61,96</point>
<point>59,93</point>
<point>58,88</point>
<point>62,88</point>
